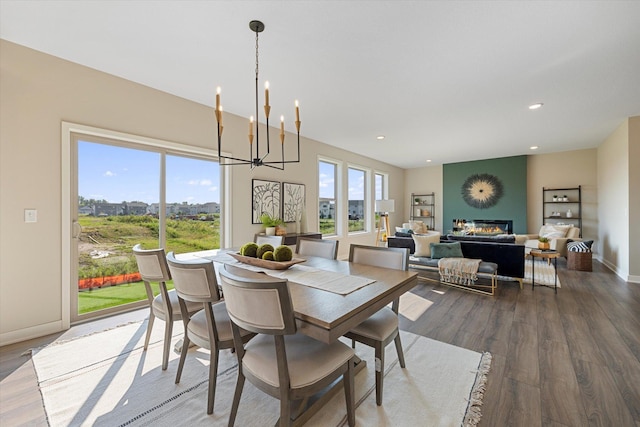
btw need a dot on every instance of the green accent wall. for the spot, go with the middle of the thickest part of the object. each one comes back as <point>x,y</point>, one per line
<point>511,171</point>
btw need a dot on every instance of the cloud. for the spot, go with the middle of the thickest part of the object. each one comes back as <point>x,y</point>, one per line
<point>214,188</point>
<point>109,173</point>
<point>200,182</point>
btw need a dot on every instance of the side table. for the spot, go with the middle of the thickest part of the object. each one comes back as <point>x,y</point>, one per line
<point>548,255</point>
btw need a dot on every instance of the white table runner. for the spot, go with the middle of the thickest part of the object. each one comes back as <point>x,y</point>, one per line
<point>329,281</point>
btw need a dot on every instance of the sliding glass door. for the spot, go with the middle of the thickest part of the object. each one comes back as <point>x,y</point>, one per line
<point>130,194</point>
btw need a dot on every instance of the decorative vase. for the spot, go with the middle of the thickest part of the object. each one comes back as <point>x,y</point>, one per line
<point>569,213</point>
<point>270,231</point>
<point>418,212</point>
<point>544,246</point>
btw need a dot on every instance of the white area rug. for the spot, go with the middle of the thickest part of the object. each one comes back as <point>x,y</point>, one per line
<point>106,379</point>
<point>545,272</point>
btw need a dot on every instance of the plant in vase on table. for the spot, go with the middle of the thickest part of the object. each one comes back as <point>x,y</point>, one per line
<point>270,223</point>
<point>543,243</point>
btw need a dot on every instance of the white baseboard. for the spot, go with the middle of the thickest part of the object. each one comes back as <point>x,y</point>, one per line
<point>633,279</point>
<point>32,332</point>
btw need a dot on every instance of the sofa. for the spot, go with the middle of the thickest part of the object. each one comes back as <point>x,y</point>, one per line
<point>509,257</point>
<point>557,234</point>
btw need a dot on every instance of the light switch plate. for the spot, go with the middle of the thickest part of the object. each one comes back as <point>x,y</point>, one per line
<point>30,215</point>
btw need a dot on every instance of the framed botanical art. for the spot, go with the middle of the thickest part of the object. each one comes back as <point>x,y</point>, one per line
<point>265,198</point>
<point>293,200</point>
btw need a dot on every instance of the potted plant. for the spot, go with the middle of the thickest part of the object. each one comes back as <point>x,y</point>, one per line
<point>543,243</point>
<point>270,223</point>
<point>555,197</point>
<point>416,201</point>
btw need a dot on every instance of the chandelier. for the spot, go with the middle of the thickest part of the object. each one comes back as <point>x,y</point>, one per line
<point>255,158</point>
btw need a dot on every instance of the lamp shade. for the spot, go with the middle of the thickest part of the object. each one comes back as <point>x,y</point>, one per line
<point>385,206</point>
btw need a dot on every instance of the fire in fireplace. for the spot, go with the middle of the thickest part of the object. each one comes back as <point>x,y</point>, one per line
<point>491,227</point>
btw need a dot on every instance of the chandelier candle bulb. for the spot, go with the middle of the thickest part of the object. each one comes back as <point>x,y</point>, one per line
<point>266,94</point>
<point>282,129</point>
<point>217,98</point>
<point>297,111</point>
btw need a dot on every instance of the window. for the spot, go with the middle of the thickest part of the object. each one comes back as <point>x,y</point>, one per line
<point>356,207</point>
<point>380,186</point>
<point>123,190</point>
<point>327,173</point>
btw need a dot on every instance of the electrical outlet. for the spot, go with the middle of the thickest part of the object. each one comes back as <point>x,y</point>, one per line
<point>30,215</point>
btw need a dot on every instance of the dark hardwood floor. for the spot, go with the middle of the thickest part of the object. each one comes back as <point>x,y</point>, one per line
<point>571,359</point>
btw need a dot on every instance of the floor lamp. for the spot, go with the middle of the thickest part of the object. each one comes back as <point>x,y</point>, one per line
<point>384,207</point>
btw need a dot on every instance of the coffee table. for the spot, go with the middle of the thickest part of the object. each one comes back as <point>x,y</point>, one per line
<point>548,255</point>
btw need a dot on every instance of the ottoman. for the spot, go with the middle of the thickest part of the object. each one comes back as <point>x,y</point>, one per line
<point>579,261</point>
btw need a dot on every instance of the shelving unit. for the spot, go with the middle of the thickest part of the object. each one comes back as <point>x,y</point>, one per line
<point>556,211</point>
<point>423,208</point>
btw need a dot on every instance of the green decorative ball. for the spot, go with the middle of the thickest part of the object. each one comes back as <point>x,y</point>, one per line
<point>283,253</point>
<point>262,249</point>
<point>268,256</point>
<point>249,249</point>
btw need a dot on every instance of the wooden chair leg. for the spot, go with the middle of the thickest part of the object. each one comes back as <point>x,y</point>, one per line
<point>285,410</point>
<point>213,374</point>
<point>399,350</point>
<point>152,317</point>
<point>183,357</point>
<point>349,394</point>
<point>168,331</point>
<point>379,355</point>
<point>236,399</point>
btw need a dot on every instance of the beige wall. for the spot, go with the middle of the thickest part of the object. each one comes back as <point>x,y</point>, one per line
<point>38,92</point>
<point>634,199</point>
<point>613,185</point>
<point>563,170</point>
<point>423,180</point>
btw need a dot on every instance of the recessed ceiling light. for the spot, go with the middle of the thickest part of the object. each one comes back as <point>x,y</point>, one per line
<point>428,160</point>
<point>533,147</point>
<point>380,137</point>
<point>535,106</point>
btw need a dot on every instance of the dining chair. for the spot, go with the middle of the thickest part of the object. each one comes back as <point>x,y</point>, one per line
<point>382,327</point>
<point>274,241</point>
<point>325,248</point>
<point>152,265</point>
<point>210,328</point>
<point>280,361</point>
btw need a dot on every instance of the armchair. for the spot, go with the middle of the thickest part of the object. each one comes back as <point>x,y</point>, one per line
<point>558,236</point>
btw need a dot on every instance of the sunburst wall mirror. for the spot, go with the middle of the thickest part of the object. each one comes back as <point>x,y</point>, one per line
<point>482,190</point>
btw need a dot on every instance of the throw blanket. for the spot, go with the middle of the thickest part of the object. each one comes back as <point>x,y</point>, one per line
<point>461,271</point>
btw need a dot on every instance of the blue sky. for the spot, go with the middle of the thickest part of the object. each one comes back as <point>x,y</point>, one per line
<point>119,174</point>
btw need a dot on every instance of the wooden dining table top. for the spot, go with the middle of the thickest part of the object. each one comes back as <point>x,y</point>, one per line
<point>325,315</point>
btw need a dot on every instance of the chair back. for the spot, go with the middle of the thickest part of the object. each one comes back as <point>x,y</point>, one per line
<point>317,247</point>
<point>152,264</point>
<point>194,280</point>
<point>260,305</point>
<point>274,241</point>
<point>396,258</point>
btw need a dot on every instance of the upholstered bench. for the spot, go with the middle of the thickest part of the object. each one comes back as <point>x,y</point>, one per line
<point>488,270</point>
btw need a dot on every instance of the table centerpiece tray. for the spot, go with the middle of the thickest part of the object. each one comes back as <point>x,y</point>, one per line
<point>271,265</point>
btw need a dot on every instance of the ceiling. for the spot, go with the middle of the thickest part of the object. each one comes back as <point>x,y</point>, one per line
<point>449,81</point>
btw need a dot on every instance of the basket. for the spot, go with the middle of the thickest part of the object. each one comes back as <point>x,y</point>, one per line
<point>579,261</point>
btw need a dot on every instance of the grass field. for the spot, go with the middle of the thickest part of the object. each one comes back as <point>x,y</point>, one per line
<point>111,296</point>
<point>116,235</point>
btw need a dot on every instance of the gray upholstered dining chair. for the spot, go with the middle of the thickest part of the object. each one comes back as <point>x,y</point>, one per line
<point>152,265</point>
<point>325,248</point>
<point>381,328</point>
<point>279,361</point>
<point>274,241</point>
<point>195,283</point>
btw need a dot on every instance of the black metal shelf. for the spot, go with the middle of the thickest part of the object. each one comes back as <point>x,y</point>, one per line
<point>571,193</point>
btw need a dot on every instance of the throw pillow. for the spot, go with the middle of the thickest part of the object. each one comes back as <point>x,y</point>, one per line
<point>418,227</point>
<point>579,246</point>
<point>554,231</point>
<point>446,250</point>
<point>423,242</point>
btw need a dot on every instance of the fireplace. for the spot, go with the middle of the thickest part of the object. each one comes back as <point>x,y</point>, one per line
<point>491,227</point>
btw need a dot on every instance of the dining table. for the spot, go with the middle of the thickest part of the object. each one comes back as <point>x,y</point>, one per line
<point>324,314</point>
<point>325,310</point>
